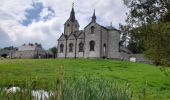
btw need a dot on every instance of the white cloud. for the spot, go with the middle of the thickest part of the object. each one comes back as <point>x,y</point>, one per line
<point>47,31</point>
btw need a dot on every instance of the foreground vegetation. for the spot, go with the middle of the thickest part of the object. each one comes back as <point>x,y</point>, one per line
<point>144,81</point>
<point>72,89</point>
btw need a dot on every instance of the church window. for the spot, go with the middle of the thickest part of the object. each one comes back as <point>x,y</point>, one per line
<point>75,26</point>
<point>92,45</point>
<point>81,47</point>
<point>92,29</point>
<point>71,47</point>
<point>68,25</point>
<point>61,47</point>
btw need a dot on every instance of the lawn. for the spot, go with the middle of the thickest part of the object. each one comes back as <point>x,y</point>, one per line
<point>142,78</point>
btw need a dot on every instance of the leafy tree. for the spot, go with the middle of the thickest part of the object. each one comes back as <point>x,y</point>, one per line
<point>150,27</point>
<point>124,35</point>
<point>54,51</point>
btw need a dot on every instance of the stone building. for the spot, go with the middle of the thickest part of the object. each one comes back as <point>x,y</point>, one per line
<point>30,51</point>
<point>94,41</point>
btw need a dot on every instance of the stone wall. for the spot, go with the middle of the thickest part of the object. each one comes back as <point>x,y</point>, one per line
<point>113,44</point>
<point>29,54</point>
<point>139,57</point>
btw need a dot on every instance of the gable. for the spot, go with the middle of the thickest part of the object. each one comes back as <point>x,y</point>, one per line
<point>81,35</point>
<point>62,38</point>
<point>92,24</point>
<point>71,37</point>
<point>69,22</point>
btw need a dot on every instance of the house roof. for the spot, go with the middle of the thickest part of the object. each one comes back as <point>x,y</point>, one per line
<point>29,48</point>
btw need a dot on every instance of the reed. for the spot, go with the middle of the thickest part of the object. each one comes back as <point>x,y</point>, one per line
<point>83,88</point>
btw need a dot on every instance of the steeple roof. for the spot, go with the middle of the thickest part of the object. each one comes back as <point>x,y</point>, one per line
<point>72,14</point>
<point>94,17</point>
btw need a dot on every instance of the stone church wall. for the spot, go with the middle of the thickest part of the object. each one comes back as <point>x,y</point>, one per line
<point>104,37</point>
<point>113,44</point>
<point>95,37</point>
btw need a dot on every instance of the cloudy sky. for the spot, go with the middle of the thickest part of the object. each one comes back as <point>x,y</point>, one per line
<point>41,21</point>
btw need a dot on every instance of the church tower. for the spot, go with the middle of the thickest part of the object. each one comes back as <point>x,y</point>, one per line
<point>71,25</point>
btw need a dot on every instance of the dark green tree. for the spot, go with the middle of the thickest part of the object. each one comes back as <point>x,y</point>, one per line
<point>150,28</point>
<point>54,51</point>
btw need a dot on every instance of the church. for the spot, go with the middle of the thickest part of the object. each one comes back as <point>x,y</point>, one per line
<point>95,41</point>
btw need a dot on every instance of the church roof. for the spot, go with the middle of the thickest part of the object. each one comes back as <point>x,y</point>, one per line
<point>111,28</point>
<point>61,38</point>
<point>75,21</point>
<point>78,33</point>
<point>81,35</point>
<point>72,17</point>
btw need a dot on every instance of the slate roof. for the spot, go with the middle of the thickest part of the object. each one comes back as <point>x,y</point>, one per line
<point>124,49</point>
<point>29,48</point>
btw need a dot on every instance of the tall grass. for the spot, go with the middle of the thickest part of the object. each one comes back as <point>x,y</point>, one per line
<point>84,88</point>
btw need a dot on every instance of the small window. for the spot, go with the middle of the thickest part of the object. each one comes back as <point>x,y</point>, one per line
<point>71,47</point>
<point>61,47</point>
<point>81,47</point>
<point>92,29</point>
<point>92,45</point>
<point>68,25</point>
<point>75,26</point>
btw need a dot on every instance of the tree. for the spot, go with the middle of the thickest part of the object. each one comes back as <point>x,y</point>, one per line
<point>4,55</point>
<point>54,51</point>
<point>10,48</point>
<point>124,35</point>
<point>150,27</point>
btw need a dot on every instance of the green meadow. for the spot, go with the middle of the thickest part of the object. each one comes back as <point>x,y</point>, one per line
<point>149,81</point>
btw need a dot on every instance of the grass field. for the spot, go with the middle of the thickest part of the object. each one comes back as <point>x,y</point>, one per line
<point>142,78</point>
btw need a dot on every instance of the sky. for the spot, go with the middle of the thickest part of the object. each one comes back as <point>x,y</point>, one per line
<point>42,21</point>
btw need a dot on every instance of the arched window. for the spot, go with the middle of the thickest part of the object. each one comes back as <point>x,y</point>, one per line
<point>68,25</point>
<point>61,47</point>
<point>71,47</point>
<point>92,29</point>
<point>81,47</point>
<point>92,45</point>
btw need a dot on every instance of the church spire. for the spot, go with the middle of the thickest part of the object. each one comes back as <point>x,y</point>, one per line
<point>72,14</point>
<point>94,17</point>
